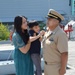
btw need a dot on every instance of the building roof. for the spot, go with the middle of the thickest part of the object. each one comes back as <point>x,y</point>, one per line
<point>11,19</point>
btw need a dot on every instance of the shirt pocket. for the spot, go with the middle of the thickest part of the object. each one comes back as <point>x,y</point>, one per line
<point>51,42</point>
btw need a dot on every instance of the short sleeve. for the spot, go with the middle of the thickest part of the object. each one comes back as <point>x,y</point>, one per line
<point>62,44</point>
<point>31,33</point>
<point>17,41</point>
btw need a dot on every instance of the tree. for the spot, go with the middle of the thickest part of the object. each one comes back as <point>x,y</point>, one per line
<point>4,32</point>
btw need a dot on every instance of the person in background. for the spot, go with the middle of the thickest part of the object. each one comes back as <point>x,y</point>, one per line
<point>11,33</point>
<point>55,45</point>
<point>20,38</point>
<point>35,48</point>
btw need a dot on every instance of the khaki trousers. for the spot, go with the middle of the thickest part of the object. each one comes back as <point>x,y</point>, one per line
<point>51,69</point>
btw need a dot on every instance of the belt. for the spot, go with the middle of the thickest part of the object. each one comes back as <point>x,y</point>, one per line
<point>50,63</point>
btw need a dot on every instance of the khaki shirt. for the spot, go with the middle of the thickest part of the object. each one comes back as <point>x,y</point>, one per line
<point>54,43</point>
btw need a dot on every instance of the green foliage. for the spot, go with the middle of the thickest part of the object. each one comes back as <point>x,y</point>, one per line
<point>4,32</point>
<point>42,25</point>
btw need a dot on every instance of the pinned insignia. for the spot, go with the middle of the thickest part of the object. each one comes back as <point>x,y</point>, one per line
<point>51,39</point>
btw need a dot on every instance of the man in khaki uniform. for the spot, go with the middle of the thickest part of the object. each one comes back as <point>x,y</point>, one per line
<point>55,45</point>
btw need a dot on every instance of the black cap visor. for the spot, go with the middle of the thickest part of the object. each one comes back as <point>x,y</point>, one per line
<point>53,17</point>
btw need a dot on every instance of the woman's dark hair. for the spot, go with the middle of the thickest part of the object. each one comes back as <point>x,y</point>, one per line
<point>31,24</point>
<point>17,25</point>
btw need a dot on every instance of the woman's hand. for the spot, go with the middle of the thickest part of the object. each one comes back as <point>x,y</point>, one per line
<point>41,33</point>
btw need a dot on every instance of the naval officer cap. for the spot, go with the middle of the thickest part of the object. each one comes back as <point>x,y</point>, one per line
<point>54,14</point>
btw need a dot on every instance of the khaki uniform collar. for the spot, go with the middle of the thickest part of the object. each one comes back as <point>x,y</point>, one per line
<point>55,30</point>
<point>49,33</point>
